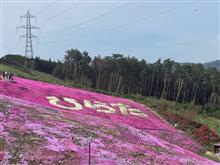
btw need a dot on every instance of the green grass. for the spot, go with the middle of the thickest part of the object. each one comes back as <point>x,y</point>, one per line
<point>30,74</point>
<point>192,112</point>
<point>2,144</point>
<point>211,122</point>
<point>25,72</point>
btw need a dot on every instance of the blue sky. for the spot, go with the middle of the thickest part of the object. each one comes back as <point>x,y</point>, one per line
<point>186,31</point>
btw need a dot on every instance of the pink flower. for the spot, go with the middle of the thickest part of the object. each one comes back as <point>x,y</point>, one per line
<point>2,154</point>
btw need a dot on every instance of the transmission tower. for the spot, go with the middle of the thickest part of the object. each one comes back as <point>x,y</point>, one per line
<point>28,36</point>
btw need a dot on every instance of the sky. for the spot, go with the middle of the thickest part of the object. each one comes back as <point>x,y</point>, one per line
<point>185,31</point>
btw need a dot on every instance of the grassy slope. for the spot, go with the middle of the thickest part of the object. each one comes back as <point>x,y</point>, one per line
<point>36,75</point>
<point>30,74</point>
<point>157,105</point>
<point>181,109</point>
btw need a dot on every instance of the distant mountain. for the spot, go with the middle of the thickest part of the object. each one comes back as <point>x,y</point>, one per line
<point>213,64</point>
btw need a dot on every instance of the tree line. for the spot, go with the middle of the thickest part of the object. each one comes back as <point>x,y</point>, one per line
<point>127,75</point>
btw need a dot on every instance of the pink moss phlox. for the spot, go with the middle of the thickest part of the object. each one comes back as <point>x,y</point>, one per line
<point>34,131</point>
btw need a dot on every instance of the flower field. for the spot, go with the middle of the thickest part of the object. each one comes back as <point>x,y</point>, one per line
<point>42,123</point>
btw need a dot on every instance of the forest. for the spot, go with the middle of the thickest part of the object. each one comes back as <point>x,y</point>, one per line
<point>125,75</point>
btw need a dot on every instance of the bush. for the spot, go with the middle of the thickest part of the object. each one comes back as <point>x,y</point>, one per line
<point>199,131</point>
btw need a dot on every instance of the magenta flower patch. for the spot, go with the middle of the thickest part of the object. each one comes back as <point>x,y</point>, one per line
<point>42,123</point>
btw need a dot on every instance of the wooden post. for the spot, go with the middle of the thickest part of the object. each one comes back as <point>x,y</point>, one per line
<point>89,153</point>
<point>89,143</point>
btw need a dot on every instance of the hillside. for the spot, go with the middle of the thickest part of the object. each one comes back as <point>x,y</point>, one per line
<point>213,64</point>
<point>39,118</point>
<point>24,72</point>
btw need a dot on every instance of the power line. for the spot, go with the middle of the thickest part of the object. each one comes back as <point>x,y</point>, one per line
<point>135,21</point>
<point>152,17</point>
<point>77,25</point>
<point>46,7</point>
<point>91,19</point>
<point>61,12</point>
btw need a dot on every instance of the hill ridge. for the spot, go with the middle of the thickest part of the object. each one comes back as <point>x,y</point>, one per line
<point>213,64</point>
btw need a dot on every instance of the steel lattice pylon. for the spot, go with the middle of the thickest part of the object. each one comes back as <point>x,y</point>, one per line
<point>28,27</point>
